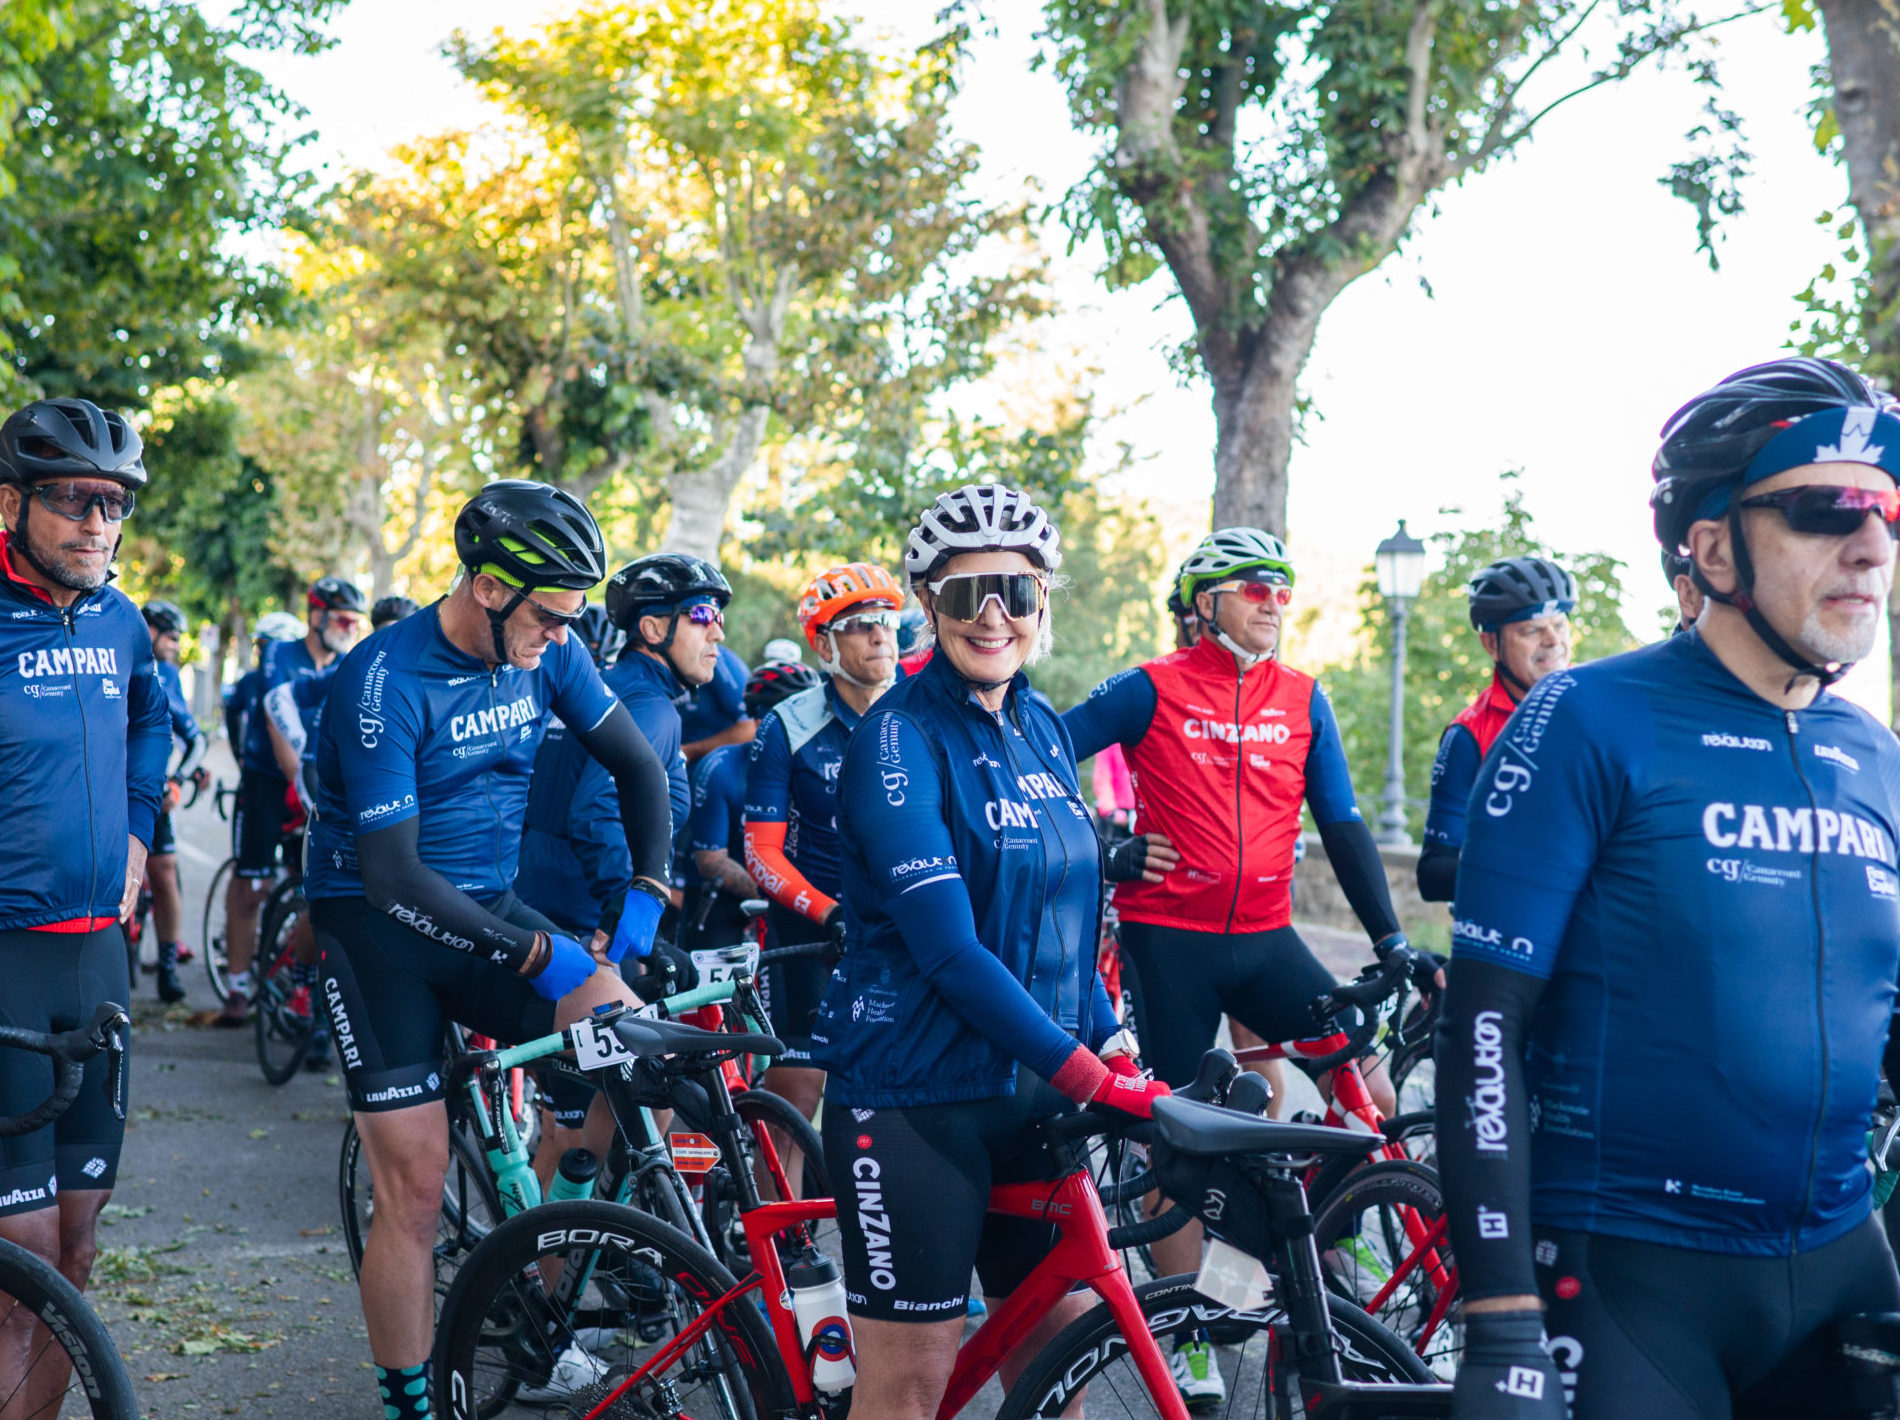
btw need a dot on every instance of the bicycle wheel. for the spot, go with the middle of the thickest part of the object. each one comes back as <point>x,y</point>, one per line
<point>1415,1081</point>
<point>214,930</point>
<point>285,1011</point>
<point>776,1117</point>
<point>1377,1248</point>
<point>471,1210</point>
<point>1089,1353</point>
<point>564,1303</point>
<point>72,1366</point>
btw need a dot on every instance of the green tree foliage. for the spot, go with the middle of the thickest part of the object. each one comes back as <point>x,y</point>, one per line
<point>1445,667</point>
<point>1268,155</point>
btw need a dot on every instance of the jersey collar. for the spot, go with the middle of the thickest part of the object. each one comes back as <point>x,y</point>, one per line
<point>32,589</point>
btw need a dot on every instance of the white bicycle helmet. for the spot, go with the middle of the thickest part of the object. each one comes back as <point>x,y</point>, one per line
<point>981,517</point>
<point>278,626</point>
<point>1227,552</point>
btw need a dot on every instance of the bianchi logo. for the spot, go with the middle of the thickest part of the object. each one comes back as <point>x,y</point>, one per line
<point>1735,742</point>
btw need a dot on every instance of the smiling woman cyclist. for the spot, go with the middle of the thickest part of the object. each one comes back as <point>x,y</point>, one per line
<point>967,1007</point>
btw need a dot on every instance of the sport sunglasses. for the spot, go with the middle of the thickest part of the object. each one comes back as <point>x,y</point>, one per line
<point>1830,509</point>
<point>71,500</point>
<point>962,598</point>
<point>1257,592</point>
<point>862,623</point>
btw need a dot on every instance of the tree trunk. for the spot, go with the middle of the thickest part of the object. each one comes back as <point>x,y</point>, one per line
<point>1863,50</point>
<point>1254,409</point>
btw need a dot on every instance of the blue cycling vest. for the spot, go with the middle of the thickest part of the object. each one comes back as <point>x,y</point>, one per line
<point>1709,885</point>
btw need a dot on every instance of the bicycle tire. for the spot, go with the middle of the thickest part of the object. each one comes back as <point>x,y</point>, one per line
<point>1086,1353</point>
<point>96,1374</point>
<point>282,1035</point>
<point>1361,1237</point>
<point>216,966</point>
<point>761,1108</point>
<point>471,1208</point>
<point>498,1333</point>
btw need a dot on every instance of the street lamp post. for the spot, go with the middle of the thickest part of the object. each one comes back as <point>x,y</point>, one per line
<point>1400,563</point>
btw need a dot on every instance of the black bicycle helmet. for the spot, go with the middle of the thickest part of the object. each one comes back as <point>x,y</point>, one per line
<point>1707,446</point>
<point>599,635</point>
<point>388,609</point>
<point>1709,442</point>
<point>1674,565</point>
<point>335,594</point>
<point>530,535</point>
<point>662,579</point>
<point>775,681</point>
<point>70,438</point>
<point>1519,586</point>
<point>164,618</point>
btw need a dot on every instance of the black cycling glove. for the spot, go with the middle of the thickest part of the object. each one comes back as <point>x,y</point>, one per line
<point>1126,860</point>
<point>1506,1373</point>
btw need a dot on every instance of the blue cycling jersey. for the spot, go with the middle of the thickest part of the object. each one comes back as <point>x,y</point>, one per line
<point>184,723</point>
<point>1708,884</point>
<point>793,779</point>
<point>718,813</point>
<point>717,705</point>
<point>84,739</point>
<point>1454,771</point>
<point>574,855</point>
<point>242,699</point>
<point>972,884</point>
<point>284,661</point>
<point>416,727</point>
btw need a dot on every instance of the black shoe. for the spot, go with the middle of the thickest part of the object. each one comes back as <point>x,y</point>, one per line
<point>170,988</point>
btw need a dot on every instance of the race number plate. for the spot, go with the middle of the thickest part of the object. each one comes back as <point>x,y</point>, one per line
<point>716,964</point>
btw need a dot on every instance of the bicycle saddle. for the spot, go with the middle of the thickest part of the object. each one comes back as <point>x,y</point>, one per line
<point>1196,1128</point>
<point>644,1035</point>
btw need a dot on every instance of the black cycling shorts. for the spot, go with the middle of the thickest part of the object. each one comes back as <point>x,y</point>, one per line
<point>1183,982</point>
<point>54,982</point>
<point>913,1190</point>
<point>257,826</point>
<point>793,987</point>
<point>164,840</point>
<point>1640,1329</point>
<point>392,992</point>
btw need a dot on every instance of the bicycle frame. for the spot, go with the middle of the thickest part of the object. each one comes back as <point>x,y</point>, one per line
<point>1352,1107</point>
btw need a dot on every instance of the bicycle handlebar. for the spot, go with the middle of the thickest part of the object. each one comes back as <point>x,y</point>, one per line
<point>69,1051</point>
<point>822,947</point>
<point>1375,985</point>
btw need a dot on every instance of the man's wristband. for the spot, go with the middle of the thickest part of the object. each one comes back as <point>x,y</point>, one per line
<point>537,954</point>
<point>658,892</point>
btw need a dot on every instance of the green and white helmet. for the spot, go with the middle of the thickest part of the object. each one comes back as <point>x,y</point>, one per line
<point>1226,553</point>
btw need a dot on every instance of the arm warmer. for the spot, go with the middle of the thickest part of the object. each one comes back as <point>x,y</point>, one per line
<point>1118,711</point>
<point>765,859</point>
<point>1361,873</point>
<point>1484,1126</point>
<point>396,881</point>
<point>1437,872</point>
<point>280,704</point>
<point>148,744</point>
<point>646,811</point>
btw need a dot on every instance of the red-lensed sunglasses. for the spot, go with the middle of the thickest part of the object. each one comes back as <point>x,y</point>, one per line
<point>1257,592</point>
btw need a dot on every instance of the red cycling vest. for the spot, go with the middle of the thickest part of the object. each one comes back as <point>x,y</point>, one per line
<point>1222,772</point>
<point>1486,716</point>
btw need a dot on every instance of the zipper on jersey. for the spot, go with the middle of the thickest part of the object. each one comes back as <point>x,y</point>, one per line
<point>488,792</point>
<point>85,759</point>
<point>1820,975</point>
<point>1240,828</point>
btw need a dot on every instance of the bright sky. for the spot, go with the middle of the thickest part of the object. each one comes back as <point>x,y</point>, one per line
<point>1569,314</point>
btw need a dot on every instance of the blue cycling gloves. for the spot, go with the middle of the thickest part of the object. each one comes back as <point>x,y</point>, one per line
<point>639,916</point>
<point>568,965</point>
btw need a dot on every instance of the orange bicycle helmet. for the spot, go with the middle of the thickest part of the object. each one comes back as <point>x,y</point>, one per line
<point>838,589</point>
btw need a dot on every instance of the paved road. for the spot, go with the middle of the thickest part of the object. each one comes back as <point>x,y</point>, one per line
<point>223,1275</point>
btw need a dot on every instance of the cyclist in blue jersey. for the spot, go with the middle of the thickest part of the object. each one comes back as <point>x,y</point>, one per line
<point>1520,608</point>
<point>244,697</point>
<point>166,624</point>
<point>849,615</point>
<point>1675,945</point>
<point>967,1007</point>
<point>715,832</point>
<point>333,609</point>
<point>295,708</point>
<point>669,608</point>
<point>84,739</point>
<point>714,712</point>
<point>423,758</point>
